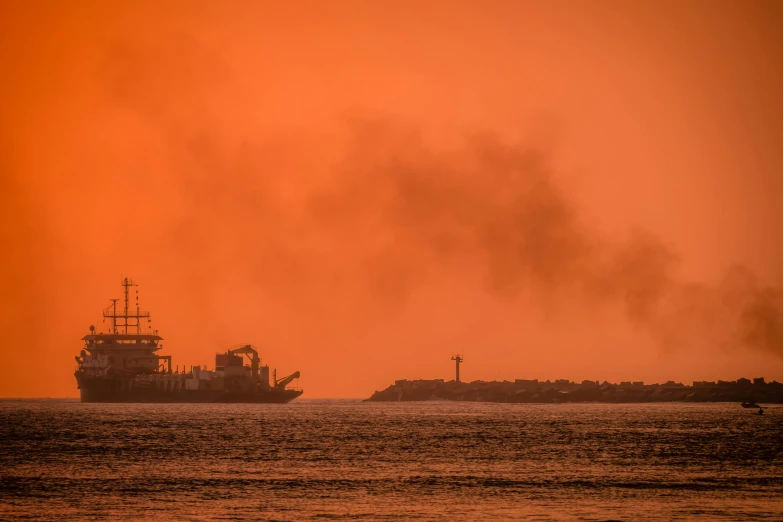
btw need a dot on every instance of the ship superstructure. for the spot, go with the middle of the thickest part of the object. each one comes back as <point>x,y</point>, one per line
<point>124,365</point>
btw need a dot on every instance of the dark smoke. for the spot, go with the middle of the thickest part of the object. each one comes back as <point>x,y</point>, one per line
<point>500,204</point>
<point>394,213</point>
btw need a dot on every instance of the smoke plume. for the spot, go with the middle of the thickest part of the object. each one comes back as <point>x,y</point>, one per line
<point>392,212</point>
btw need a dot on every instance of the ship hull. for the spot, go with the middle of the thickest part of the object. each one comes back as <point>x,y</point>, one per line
<point>92,389</point>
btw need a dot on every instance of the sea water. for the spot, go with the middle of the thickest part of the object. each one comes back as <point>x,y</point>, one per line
<point>347,459</point>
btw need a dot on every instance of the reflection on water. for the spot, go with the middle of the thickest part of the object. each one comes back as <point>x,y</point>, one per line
<point>348,459</point>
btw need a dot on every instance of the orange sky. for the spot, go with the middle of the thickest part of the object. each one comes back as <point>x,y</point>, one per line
<point>558,189</point>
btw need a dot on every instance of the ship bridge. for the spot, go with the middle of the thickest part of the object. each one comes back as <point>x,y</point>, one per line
<point>128,348</point>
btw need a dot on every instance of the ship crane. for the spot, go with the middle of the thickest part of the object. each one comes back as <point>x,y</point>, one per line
<point>282,383</point>
<point>255,360</point>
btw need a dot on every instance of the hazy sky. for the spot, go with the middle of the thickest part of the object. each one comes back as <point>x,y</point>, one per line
<point>582,190</point>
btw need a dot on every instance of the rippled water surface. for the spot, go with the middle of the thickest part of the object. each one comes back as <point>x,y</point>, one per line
<point>316,459</point>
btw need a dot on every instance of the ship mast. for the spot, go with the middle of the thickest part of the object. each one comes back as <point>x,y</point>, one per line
<point>128,318</point>
<point>113,316</point>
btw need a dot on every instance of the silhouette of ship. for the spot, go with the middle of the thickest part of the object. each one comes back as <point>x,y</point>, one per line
<point>123,366</point>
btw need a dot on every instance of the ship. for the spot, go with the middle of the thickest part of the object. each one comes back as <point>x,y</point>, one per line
<point>126,365</point>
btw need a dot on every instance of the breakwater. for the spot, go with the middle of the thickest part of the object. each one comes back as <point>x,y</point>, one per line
<point>564,391</point>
